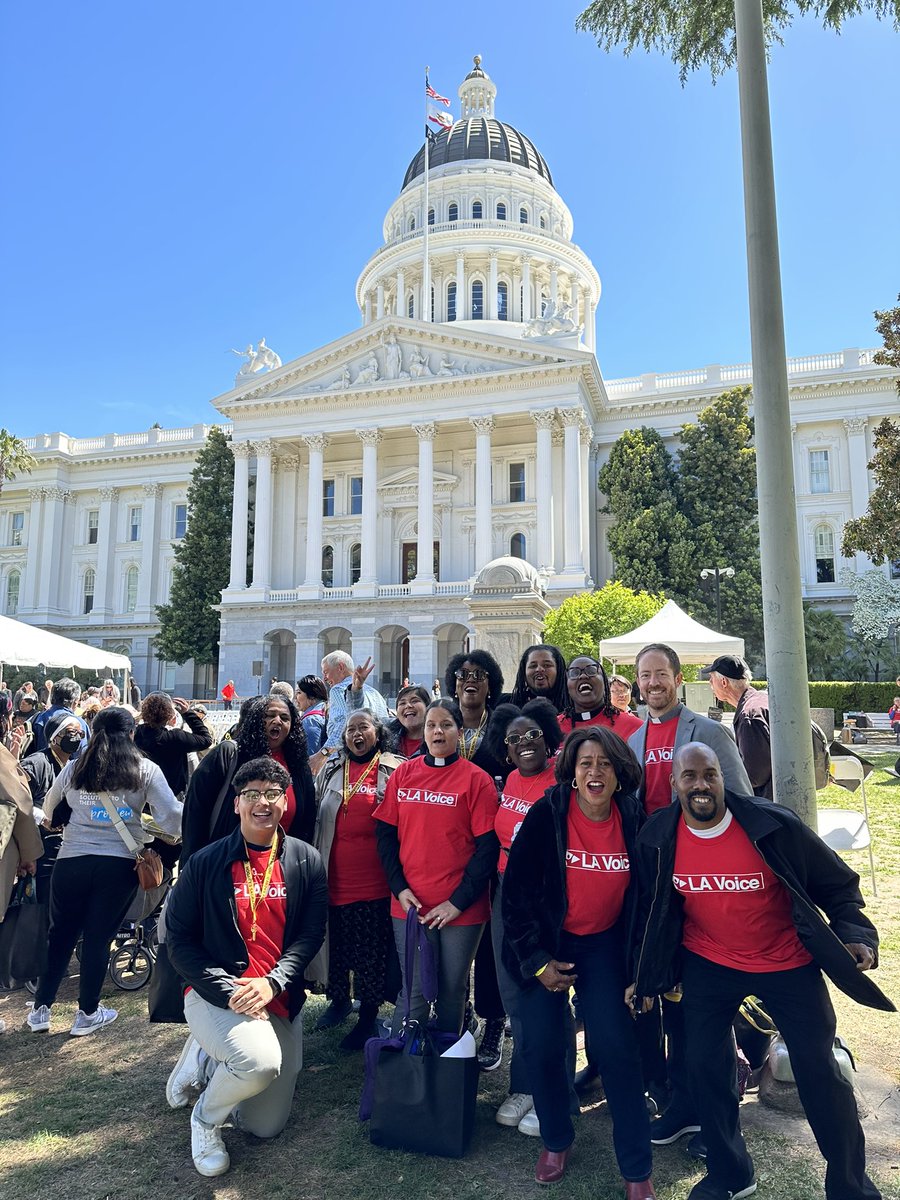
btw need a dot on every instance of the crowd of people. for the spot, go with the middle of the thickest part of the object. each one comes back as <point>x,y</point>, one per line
<point>635,874</point>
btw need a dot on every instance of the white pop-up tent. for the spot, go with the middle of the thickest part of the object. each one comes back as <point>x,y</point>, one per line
<point>691,641</point>
<point>23,645</point>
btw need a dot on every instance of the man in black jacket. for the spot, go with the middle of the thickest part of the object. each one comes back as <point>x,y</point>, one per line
<point>244,920</point>
<point>731,891</point>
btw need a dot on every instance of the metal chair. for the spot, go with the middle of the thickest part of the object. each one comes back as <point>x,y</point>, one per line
<point>846,829</point>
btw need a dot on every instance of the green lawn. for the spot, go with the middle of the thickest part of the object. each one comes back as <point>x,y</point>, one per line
<point>86,1118</point>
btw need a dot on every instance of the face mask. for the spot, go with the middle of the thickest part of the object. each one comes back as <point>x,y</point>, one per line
<point>69,743</point>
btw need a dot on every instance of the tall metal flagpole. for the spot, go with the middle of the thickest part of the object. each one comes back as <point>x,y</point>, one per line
<point>426,273</point>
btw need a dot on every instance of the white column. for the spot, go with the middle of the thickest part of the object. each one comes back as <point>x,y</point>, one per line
<point>367,309</point>
<point>29,587</point>
<point>106,544</point>
<point>590,330</point>
<point>543,492</point>
<point>572,523</point>
<point>238,575</point>
<point>368,575</point>
<point>576,301</point>
<point>379,302</point>
<point>483,498</point>
<point>401,293</point>
<point>262,525</point>
<point>492,288</point>
<point>859,474</point>
<point>526,288</point>
<point>316,444</point>
<point>554,284</point>
<point>587,500</point>
<point>437,282</point>
<point>425,546</point>
<point>55,498</point>
<point>460,288</point>
<point>150,548</point>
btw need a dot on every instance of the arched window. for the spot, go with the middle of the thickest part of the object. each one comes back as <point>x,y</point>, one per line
<point>411,224</point>
<point>131,589</point>
<point>355,562</point>
<point>501,211</point>
<point>411,305</point>
<point>453,212</point>
<point>328,566</point>
<point>431,216</point>
<point>451,301</point>
<point>517,545</point>
<point>477,210</point>
<point>88,584</point>
<point>502,301</point>
<point>13,583</point>
<point>824,543</point>
<point>543,222</point>
<point>477,300</point>
<point>523,216</point>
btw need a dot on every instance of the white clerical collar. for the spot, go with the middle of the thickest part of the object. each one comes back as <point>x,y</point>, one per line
<point>717,831</point>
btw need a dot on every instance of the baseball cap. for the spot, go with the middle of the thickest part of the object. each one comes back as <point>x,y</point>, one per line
<point>732,666</point>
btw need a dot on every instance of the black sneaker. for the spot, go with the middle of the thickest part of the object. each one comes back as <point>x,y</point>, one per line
<point>706,1189</point>
<point>586,1080</point>
<point>670,1127</point>
<point>335,1014</point>
<point>490,1052</point>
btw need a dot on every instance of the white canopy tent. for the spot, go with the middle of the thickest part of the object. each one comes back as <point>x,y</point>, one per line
<point>23,645</point>
<point>691,641</point>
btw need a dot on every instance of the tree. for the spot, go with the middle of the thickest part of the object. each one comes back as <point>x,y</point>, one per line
<point>888,325</point>
<point>877,533</point>
<point>826,642</point>
<point>189,624</point>
<point>875,622</point>
<point>581,621</point>
<point>15,457</point>
<point>695,35</point>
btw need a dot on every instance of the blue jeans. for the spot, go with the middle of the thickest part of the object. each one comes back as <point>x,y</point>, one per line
<point>600,967</point>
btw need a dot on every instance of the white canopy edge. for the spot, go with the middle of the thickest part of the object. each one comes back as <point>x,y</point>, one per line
<point>24,645</point>
<point>691,641</point>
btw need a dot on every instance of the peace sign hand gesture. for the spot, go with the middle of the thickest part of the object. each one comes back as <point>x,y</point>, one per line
<point>361,674</point>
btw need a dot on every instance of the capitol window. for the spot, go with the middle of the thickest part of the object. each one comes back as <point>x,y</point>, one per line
<point>13,582</point>
<point>451,301</point>
<point>517,545</point>
<point>824,549</point>
<point>328,566</point>
<point>431,216</point>
<point>477,210</point>
<point>819,472</point>
<point>543,222</point>
<point>355,562</point>
<point>411,224</point>
<point>517,483</point>
<point>327,497</point>
<point>355,495</point>
<point>131,589</point>
<point>93,526</point>
<point>501,212</point>
<point>523,216</point>
<point>88,584</point>
<point>134,524</point>
<point>411,305</point>
<point>453,212</point>
<point>16,528</point>
<point>180,521</point>
<point>477,300</point>
<point>502,302</point>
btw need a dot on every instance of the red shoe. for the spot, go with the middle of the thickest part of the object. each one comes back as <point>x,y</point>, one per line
<point>551,1166</point>
<point>640,1191</point>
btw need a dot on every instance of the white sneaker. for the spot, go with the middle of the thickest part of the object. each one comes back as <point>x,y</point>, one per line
<point>530,1125</point>
<point>84,1024</point>
<point>513,1109</point>
<point>207,1148</point>
<point>185,1076</point>
<point>38,1019</point>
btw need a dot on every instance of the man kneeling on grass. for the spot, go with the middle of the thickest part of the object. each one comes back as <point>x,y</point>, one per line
<point>246,917</point>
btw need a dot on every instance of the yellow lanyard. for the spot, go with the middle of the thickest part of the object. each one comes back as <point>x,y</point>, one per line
<point>252,898</point>
<point>350,792</point>
<point>470,750</point>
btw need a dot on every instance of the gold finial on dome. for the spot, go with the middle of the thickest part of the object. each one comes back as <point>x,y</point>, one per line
<point>477,60</point>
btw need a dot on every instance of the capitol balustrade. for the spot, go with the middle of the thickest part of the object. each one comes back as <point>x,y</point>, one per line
<point>119,441</point>
<point>385,591</point>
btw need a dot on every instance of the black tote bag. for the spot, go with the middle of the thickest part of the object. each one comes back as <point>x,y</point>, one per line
<point>165,993</point>
<point>23,935</point>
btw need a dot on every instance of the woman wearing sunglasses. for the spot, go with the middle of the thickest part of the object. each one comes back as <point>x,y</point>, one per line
<point>589,700</point>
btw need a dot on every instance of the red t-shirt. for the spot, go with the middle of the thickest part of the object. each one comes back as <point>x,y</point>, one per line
<point>519,793</point>
<point>409,745</point>
<point>623,723</point>
<point>736,910</point>
<point>597,870</point>
<point>291,811</point>
<point>354,868</point>
<point>267,948</point>
<point>228,691</point>
<point>658,764</point>
<point>439,812</point>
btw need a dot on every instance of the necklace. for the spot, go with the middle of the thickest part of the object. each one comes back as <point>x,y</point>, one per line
<point>528,795</point>
<point>470,748</point>
<point>253,899</point>
<point>350,792</point>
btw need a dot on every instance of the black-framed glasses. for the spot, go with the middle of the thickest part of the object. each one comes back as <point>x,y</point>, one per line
<point>589,669</point>
<point>530,735</point>
<point>476,674</point>
<point>251,795</point>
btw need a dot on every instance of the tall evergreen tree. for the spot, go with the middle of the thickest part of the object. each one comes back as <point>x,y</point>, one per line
<point>189,625</point>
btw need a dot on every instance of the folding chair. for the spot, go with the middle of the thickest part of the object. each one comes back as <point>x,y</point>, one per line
<point>846,829</point>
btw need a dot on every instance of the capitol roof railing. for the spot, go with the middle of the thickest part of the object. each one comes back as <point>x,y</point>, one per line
<point>119,441</point>
<point>715,373</point>
<point>467,224</point>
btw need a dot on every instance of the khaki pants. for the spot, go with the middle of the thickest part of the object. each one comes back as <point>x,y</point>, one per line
<point>252,1069</point>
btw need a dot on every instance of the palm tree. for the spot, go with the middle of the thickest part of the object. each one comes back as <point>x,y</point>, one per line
<point>14,457</point>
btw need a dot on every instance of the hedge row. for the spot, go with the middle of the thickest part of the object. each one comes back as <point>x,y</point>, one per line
<point>848,696</point>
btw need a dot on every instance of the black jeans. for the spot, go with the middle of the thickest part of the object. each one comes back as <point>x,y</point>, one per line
<point>600,967</point>
<point>800,1006</point>
<point>89,896</point>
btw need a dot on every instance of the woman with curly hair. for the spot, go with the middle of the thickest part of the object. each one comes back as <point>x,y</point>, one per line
<point>541,675</point>
<point>589,700</point>
<point>271,726</point>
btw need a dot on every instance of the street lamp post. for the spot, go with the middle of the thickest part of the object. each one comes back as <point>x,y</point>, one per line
<point>716,574</point>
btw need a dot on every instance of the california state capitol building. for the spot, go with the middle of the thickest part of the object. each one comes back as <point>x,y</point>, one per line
<point>427,481</point>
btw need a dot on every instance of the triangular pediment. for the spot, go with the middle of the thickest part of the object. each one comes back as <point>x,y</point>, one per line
<point>409,477</point>
<point>395,354</point>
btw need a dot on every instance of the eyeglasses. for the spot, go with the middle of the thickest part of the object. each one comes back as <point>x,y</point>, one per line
<point>251,795</point>
<point>476,674</point>
<point>530,735</point>
<point>590,670</point>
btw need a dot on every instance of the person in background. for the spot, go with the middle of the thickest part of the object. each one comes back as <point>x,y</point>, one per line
<point>20,843</point>
<point>20,737</point>
<point>348,690</point>
<point>311,698</point>
<point>282,688</point>
<point>589,702</point>
<point>894,717</point>
<point>436,841</point>
<point>109,694</point>
<point>134,693</point>
<point>41,768</point>
<point>158,739</point>
<point>44,692</point>
<point>620,692</point>
<point>541,674</point>
<point>405,734</point>
<point>729,680</point>
<point>88,707</point>
<point>63,698</point>
<point>349,789</point>
<point>436,689</point>
<point>228,695</point>
<point>27,689</point>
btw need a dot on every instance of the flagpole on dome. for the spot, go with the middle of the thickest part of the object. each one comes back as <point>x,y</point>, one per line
<point>426,273</point>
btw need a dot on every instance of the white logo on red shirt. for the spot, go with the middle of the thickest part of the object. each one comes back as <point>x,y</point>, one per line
<point>425,796</point>
<point>514,804</point>
<point>583,860</point>
<point>752,882</point>
<point>277,891</point>
<point>661,754</point>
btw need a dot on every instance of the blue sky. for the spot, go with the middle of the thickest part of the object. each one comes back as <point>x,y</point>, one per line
<point>183,178</point>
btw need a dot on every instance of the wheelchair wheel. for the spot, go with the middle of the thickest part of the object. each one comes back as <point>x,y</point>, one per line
<point>130,965</point>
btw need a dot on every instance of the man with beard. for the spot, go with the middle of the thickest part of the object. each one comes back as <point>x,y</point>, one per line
<point>738,897</point>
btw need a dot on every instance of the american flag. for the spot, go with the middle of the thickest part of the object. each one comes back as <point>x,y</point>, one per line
<point>430,92</point>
